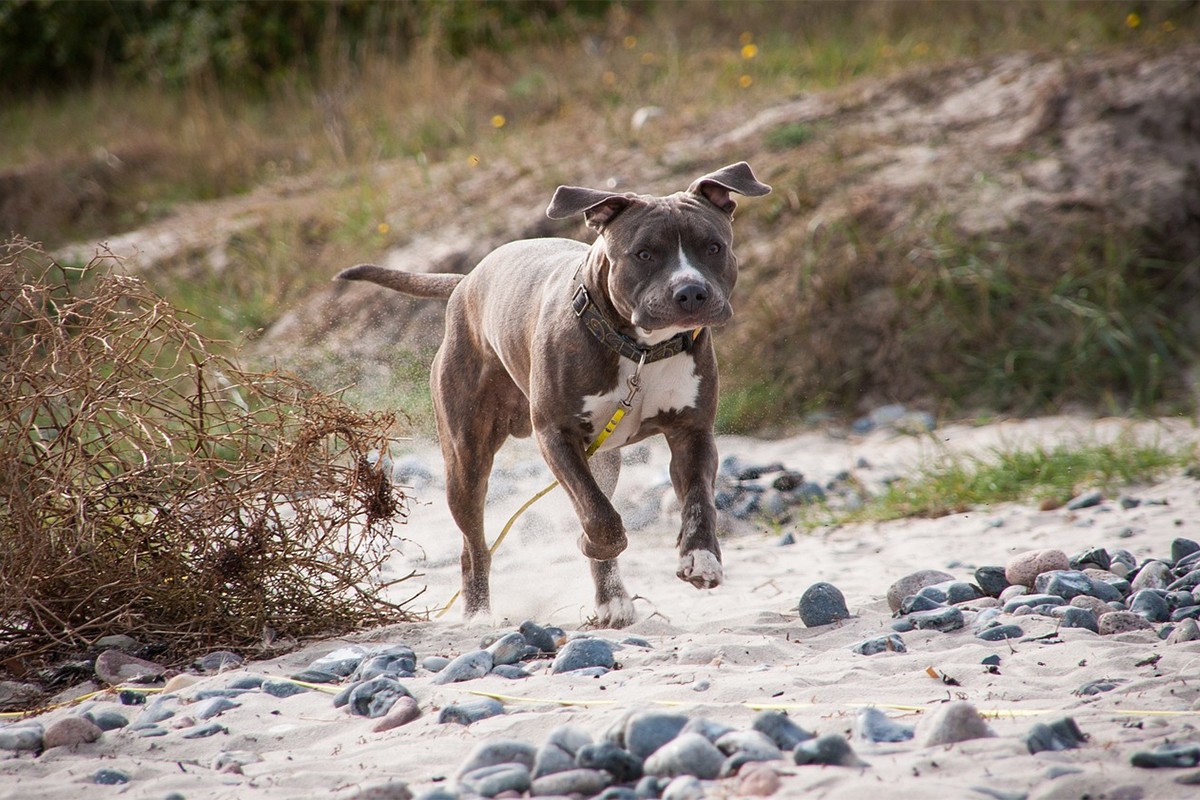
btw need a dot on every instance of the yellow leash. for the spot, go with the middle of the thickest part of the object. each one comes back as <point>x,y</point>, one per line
<point>635,383</point>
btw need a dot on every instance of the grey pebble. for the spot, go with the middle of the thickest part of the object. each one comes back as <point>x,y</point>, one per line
<point>880,644</point>
<point>570,738</point>
<point>467,667</point>
<point>1085,500</point>
<point>375,697</point>
<point>282,689</point>
<point>22,736</point>
<point>916,603</point>
<point>1000,632</point>
<point>1173,756</point>
<point>1098,686</point>
<point>684,787</point>
<point>508,648</point>
<point>622,765</point>
<point>585,782</point>
<point>552,758</point>
<point>647,731</point>
<point>315,676</point>
<point>107,720</point>
<point>707,728</point>
<point>1061,735</point>
<point>1182,548</point>
<point>158,710</point>
<point>109,777</point>
<point>781,729</point>
<point>754,745</point>
<point>1150,604</point>
<point>248,681</point>
<point>583,653</point>
<point>396,661</point>
<point>1032,601</point>
<point>1072,617</point>
<point>341,662</point>
<point>872,725</point>
<point>1152,575</point>
<point>955,722</point>
<point>537,636</point>
<point>148,731</point>
<point>962,592</point>
<point>204,731</point>
<point>209,694</point>
<point>434,663</point>
<point>494,780</point>
<point>509,671</point>
<point>499,751</point>
<point>943,619</point>
<point>471,711</point>
<point>218,661</point>
<point>831,749</point>
<point>686,754</point>
<point>822,604</point>
<point>992,580</point>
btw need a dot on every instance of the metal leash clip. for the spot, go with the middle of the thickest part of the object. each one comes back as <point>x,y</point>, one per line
<point>635,382</point>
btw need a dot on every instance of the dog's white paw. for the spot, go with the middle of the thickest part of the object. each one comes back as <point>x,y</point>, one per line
<point>615,613</point>
<point>701,568</point>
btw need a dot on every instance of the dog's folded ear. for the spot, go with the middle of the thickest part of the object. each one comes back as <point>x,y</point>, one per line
<point>599,208</point>
<point>716,186</point>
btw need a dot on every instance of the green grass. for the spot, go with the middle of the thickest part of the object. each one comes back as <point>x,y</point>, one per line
<point>1045,474</point>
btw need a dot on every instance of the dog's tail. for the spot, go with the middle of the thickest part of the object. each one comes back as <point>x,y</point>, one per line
<point>432,286</point>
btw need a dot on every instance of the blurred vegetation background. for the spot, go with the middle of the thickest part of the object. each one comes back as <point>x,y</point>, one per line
<point>281,141</point>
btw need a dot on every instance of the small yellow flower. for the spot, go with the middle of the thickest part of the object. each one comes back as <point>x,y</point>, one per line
<point>746,38</point>
<point>744,81</point>
<point>498,121</point>
<point>630,42</point>
<point>649,58</point>
<point>609,78</point>
<point>382,228</point>
<point>749,51</point>
<point>473,160</point>
<point>1132,20</point>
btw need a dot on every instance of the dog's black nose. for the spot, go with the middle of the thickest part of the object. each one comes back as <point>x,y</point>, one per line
<point>691,297</point>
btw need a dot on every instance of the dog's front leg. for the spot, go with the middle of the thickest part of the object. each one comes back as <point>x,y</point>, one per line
<point>603,536</point>
<point>694,474</point>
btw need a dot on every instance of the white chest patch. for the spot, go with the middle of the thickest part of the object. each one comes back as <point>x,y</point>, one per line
<point>668,385</point>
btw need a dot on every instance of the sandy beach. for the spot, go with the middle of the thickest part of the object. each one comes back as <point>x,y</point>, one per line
<point>723,654</point>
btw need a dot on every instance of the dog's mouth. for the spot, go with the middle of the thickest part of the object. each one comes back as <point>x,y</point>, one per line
<point>653,329</point>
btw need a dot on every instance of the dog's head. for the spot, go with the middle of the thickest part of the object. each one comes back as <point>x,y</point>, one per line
<point>669,260</point>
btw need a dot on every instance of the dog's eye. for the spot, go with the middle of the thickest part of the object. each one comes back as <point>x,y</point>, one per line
<point>714,248</point>
<point>644,255</point>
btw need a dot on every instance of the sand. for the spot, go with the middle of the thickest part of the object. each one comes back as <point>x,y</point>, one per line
<point>724,653</point>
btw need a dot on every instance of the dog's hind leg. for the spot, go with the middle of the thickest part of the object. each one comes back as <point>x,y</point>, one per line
<point>614,608</point>
<point>473,419</point>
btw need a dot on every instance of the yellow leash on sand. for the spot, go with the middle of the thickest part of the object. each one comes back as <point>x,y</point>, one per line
<point>635,383</point>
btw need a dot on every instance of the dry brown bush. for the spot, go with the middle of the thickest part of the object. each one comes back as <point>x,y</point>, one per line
<point>152,488</point>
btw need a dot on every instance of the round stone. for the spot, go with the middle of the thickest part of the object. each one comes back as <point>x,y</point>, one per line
<point>781,729</point>
<point>582,654</point>
<point>914,583</point>
<point>992,580</point>
<point>686,754</point>
<point>1152,575</point>
<point>822,604</point>
<point>70,731</point>
<point>467,667</point>
<point>951,723</point>
<point>647,731</point>
<point>830,749</point>
<point>1123,622</point>
<point>1023,568</point>
<point>872,725</point>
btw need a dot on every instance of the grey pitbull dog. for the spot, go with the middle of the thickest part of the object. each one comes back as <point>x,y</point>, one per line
<point>543,337</point>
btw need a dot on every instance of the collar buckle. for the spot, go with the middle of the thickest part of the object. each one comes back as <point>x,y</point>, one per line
<point>581,300</point>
